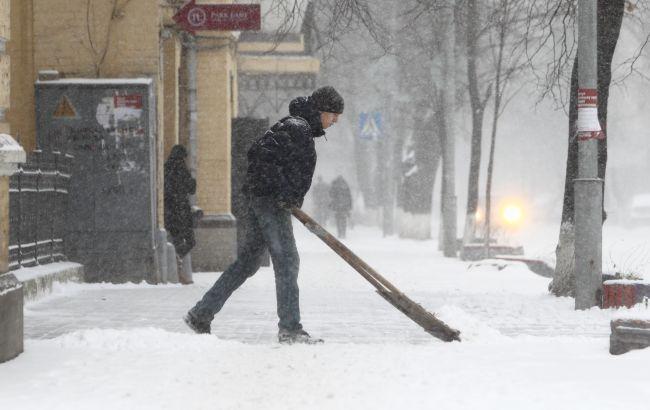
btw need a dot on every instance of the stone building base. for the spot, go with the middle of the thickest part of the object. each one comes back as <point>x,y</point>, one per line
<point>216,243</point>
<point>39,280</point>
<point>11,317</point>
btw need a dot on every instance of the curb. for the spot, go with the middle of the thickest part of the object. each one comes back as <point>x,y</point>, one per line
<point>628,335</point>
<point>38,280</point>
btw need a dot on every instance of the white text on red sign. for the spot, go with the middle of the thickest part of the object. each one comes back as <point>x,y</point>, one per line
<point>587,97</point>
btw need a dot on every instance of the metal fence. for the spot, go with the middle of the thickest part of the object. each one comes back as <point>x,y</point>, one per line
<point>38,196</point>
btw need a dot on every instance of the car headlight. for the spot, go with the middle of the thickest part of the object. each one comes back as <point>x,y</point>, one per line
<point>512,214</point>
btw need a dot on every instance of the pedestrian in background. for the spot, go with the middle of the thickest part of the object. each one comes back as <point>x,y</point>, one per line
<point>321,196</point>
<point>340,204</point>
<point>179,185</point>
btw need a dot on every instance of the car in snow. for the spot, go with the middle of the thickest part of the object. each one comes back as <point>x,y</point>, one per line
<point>507,215</point>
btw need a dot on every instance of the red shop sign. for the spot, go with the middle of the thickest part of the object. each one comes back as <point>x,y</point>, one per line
<point>221,17</point>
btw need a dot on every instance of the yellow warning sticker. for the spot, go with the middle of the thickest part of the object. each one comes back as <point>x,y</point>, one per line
<point>65,109</point>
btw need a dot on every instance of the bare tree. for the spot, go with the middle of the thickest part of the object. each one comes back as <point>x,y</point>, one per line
<point>507,62</point>
<point>98,44</point>
<point>327,22</point>
<point>494,56</point>
<point>610,17</point>
<point>394,76</point>
<point>422,115</point>
<point>479,95</point>
<point>556,21</point>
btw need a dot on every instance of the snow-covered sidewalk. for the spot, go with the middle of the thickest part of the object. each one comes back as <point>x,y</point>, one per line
<point>124,346</point>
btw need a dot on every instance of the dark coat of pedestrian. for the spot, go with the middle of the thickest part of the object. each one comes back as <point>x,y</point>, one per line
<point>179,185</point>
<point>340,204</point>
<point>321,201</point>
<point>281,165</point>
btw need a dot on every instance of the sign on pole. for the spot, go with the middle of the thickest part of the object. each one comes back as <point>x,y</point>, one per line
<point>193,17</point>
<point>588,125</point>
<point>370,126</point>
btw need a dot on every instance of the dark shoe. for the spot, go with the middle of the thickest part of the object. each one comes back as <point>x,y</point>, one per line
<point>196,325</point>
<point>184,281</point>
<point>297,336</point>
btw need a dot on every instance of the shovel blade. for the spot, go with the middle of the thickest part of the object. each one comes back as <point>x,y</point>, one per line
<point>428,321</point>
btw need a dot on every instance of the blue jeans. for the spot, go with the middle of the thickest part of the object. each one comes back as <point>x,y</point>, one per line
<point>269,227</point>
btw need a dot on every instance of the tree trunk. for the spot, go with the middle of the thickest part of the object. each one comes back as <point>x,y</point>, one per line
<point>418,176</point>
<point>477,105</point>
<point>498,94</point>
<point>449,207</point>
<point>610,18</point>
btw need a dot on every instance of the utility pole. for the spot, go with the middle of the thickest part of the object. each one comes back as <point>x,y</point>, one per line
<point>448,158</point>
<point>588,187</point>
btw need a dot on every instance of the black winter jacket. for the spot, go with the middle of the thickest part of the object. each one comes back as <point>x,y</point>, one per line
<point>281,163</point>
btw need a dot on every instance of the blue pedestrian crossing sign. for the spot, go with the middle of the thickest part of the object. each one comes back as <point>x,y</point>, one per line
<point>370,126</point>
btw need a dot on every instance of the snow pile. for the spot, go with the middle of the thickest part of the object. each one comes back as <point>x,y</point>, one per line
<point>155,369</point>
<point>472,328</point>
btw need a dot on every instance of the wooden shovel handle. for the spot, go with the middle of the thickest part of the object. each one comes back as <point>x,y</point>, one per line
<point>371,275</point>
<point>412,310</point>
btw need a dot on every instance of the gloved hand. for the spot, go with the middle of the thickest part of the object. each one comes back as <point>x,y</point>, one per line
<point>287,203</point>
<point>284,205</point>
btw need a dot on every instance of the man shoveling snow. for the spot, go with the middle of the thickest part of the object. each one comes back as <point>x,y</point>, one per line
<point>280,169</point>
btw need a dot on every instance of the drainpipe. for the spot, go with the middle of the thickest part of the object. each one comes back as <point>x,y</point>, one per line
<point>192,104</point>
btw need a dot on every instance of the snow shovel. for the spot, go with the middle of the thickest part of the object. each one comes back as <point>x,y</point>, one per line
<point>428,321</point>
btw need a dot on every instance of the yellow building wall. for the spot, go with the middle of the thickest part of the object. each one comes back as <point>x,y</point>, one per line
<point>78,38</point>
<point>5,22</point>
<point>277,64</point>
<point>215,96</point>
<point>272,47</point>
<point>21,113</point>
<point>92,39</point>
<point>170,67</point>
<point>5,89</point>
<point>88,39</point>
<point>234,89</point>
<point>5,72</point>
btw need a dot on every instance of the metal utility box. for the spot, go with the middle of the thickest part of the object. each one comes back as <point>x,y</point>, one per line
<point>109,127</point>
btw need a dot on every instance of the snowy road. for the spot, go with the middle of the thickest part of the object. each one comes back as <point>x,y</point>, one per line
<point>124,346</point>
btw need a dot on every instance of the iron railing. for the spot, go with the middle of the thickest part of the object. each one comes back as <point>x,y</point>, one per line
<point>38,196</point>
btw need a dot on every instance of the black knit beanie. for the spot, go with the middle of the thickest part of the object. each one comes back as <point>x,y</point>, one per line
<point>327,99</point>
